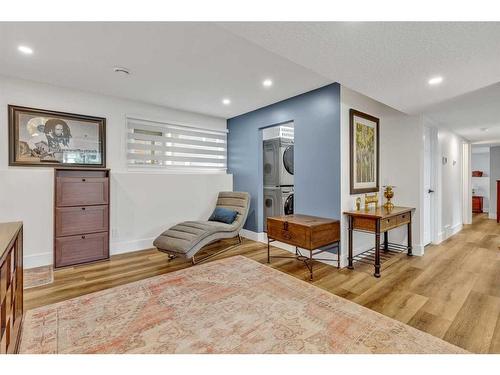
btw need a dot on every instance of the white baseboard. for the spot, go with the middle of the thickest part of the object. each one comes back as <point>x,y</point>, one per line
<point>439,239</point>
<point>447,233</point>
<point>38,260</point>
<point>418,250</point>
<point>492,215</point>
<point>456,228</point>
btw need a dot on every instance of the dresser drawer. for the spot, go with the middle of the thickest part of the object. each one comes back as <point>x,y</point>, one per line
<point>404,218</point>
<point>80,220</point>
<point>388,223</point>
<point>81,249</point>
<point>81,191</point>
<point>288,232</point>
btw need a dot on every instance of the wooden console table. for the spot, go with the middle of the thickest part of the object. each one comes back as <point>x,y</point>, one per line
<point>305,232</point>
<point>379,220</point>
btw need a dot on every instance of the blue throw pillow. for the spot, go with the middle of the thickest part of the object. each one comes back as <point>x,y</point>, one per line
<point>223,215</point>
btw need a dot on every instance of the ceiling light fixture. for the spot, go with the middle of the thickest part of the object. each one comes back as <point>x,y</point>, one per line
<point>121,70</point>
<point>435,80</point>
<point>267,83</point>
<point>25,49</point>
<point>226,101</point>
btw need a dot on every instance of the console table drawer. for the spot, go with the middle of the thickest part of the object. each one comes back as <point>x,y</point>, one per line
<point>81,220</point>
<point>362,223</point>
<point>388,223</point>
<point>404,218</point>
<point>80,249</point>
<point>80,191</point>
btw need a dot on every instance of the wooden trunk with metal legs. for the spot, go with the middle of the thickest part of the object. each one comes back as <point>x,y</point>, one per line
<point>377,221</point>
<point>310,233</point>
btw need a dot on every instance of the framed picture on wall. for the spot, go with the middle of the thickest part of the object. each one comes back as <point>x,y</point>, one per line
<point>39,137</point>
<point>364,157</point>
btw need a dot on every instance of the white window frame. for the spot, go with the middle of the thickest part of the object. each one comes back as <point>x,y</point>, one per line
<point>178,168</point>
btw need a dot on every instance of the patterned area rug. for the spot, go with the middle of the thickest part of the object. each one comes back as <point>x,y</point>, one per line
<point>234,305</point>
<point>37,276</point>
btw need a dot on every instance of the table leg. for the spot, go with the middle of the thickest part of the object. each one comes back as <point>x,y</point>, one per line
<point>311,265</point>
<point>386,240</point>
<point>377,249</point>
<point>338,255</point>
<point>410,245</point>
<point>268,251</point>
<point>350,266</point>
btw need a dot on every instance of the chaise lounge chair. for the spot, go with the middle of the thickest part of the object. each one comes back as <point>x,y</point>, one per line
<point>188,238</point>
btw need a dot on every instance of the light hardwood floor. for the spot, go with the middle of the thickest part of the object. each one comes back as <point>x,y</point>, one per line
<point>453,292</point>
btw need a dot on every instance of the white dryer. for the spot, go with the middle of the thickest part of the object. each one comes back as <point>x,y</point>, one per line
<point>278,162</point>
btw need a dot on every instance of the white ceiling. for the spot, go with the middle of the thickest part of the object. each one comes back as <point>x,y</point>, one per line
<point>193,66</point>
<point>190,66</point>
<point>469,113</point>
<point>388,61</point>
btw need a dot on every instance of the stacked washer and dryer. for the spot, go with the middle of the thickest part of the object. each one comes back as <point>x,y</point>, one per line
<point>278,173</point>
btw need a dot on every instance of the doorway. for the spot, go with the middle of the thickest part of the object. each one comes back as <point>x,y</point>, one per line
<point>278,170</point>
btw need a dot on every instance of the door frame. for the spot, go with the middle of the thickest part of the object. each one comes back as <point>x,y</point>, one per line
<point>432,134</point>
<point>466,183</point>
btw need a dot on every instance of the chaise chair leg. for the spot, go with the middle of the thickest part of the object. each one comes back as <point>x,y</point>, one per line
<point>198,261</point>
<point>171,257</point>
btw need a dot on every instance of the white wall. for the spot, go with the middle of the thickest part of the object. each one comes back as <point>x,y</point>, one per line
<point>401,164</point>
<point>480,161</point>
<point>494,176</point>
<point>142,204</point>
<point>450,184</point>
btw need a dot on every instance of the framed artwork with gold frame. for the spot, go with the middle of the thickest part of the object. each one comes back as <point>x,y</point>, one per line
<point>364,152</point>
<point>39,137</point>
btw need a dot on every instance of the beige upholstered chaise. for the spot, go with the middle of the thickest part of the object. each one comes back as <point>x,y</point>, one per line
<point>188,238</point>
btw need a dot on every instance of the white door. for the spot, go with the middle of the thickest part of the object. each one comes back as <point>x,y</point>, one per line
<point>428,185</point>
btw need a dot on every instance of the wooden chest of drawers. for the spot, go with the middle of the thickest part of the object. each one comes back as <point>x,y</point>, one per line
<point>307,232</point>
<point>11,286</point>
<point>81,216</point>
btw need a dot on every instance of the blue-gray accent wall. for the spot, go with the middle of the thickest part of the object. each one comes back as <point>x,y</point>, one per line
<point>316,116</point>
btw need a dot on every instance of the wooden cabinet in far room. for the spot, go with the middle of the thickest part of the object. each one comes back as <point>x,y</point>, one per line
<point>477,204</point>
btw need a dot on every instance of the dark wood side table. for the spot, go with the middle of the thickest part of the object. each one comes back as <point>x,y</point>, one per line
<point>376,221</point>
<point>477,204</point>
<point>311,233</point>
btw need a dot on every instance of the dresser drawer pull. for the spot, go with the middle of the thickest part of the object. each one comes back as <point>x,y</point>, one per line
<point>83,180</point>
<point>83,237</point>
<point>83,208</point>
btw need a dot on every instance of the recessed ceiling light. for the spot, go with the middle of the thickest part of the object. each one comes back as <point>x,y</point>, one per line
<point>25,49</point>
<point>226,101</point>
<point>121,70</point>
<point>435,80</point>
<point>267,83</point>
